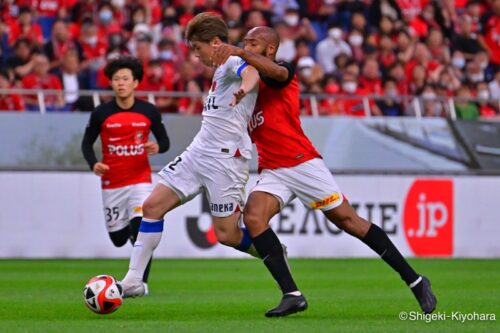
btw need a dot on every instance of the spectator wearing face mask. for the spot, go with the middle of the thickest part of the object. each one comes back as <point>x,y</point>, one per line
<point>309,73</point>
<point>355,41</point>
<point>432,106</point>
<point>106,21</point>
<point>299,27</point>
<point>473,72</point>
<point>94,48</point>
<point>486,107</point>
<point>483,60</point>
<point>330,47</point>
<point>354,106</point>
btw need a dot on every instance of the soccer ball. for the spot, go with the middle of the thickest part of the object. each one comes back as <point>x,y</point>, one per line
<point>102,294</point>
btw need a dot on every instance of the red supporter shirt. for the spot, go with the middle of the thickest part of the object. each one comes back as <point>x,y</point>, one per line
<point>491,32</point>
<point>50,81</point>
<point>123,135</point>
<point>12,102</point>
<point>275,125</point>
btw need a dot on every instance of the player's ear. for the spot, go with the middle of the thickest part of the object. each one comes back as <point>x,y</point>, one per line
<point>136,83</point>
<point>271,49</point>
<point>216,41</point>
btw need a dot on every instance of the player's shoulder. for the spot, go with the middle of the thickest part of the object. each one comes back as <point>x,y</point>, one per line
<point>144,104</point>
<point>106,106</point>
<point>280,84</point>
<point>146,108</point>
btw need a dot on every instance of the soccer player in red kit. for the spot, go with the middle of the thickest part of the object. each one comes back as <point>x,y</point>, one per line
<point>124,125</point>
<point>290,167</point>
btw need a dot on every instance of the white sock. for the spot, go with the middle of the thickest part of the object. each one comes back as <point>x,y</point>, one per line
<point>147,240</point>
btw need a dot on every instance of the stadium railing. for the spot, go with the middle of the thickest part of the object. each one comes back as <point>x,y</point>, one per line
<point>413,104</point>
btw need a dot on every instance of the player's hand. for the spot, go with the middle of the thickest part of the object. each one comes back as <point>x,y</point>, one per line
<point>152,147</point>
<point>222,53</point>
<point>100,169</point>
<point>237,96</point>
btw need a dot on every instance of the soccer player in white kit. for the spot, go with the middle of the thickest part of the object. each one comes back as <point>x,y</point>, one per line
<point>215,162</point>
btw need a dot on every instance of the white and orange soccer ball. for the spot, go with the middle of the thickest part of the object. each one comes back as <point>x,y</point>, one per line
<point>102,294</point>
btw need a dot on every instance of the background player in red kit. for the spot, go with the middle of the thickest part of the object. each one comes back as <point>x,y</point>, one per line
<point>291,167</point>
<point>124,125</point>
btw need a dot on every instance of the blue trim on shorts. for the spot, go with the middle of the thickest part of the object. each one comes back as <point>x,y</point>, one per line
<point>242,67</point>
<point>149,227</point>
<point>246,241</point>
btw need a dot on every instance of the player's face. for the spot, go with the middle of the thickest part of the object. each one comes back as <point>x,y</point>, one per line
<point>255,44</point>
<point>203,51</point>
<point>123,83</point>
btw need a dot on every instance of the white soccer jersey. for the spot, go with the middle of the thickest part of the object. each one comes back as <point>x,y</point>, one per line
<point>224,128</point>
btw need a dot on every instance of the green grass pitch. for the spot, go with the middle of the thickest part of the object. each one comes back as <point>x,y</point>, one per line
<point>345,295</point>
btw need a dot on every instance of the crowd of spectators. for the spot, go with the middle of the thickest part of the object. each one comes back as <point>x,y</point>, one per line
<point>345,48</point>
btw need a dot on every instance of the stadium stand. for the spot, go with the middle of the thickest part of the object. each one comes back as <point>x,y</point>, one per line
<point>429,58</point>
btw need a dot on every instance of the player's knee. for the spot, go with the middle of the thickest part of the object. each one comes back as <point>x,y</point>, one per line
<point>150,209</point>
<point>253,219</point>
<point>120,237</point>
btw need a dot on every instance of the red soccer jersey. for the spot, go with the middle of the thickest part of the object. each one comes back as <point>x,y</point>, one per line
<point>275,126</point>
<point>123,135</point>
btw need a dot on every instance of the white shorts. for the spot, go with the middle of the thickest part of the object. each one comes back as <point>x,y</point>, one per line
<point>222,179</point>
<point>310,181</point>
<point>124,203</point>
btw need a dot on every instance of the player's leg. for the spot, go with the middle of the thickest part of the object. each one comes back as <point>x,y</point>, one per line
<point>134,226</point>
<point>161,200</point>
<point>178,184</point>
<point>260,208</point>
<point>120,237</point>
<point>224,181</point>
<point>115,214</point>
<point>138,194</point>
<point>346,218</point>
<point>316,187</point>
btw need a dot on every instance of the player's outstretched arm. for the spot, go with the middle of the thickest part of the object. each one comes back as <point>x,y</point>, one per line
<point>263,64</point>
<point>249,79</point>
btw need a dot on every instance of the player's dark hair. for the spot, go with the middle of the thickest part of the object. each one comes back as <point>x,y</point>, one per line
<point>122,62</point>
<point>205,26</point>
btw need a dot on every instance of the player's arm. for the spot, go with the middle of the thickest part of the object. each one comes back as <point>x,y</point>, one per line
<point>249,79</point>
<point>162,141</point>
<point>91,133</point>
<point>264,65</point>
